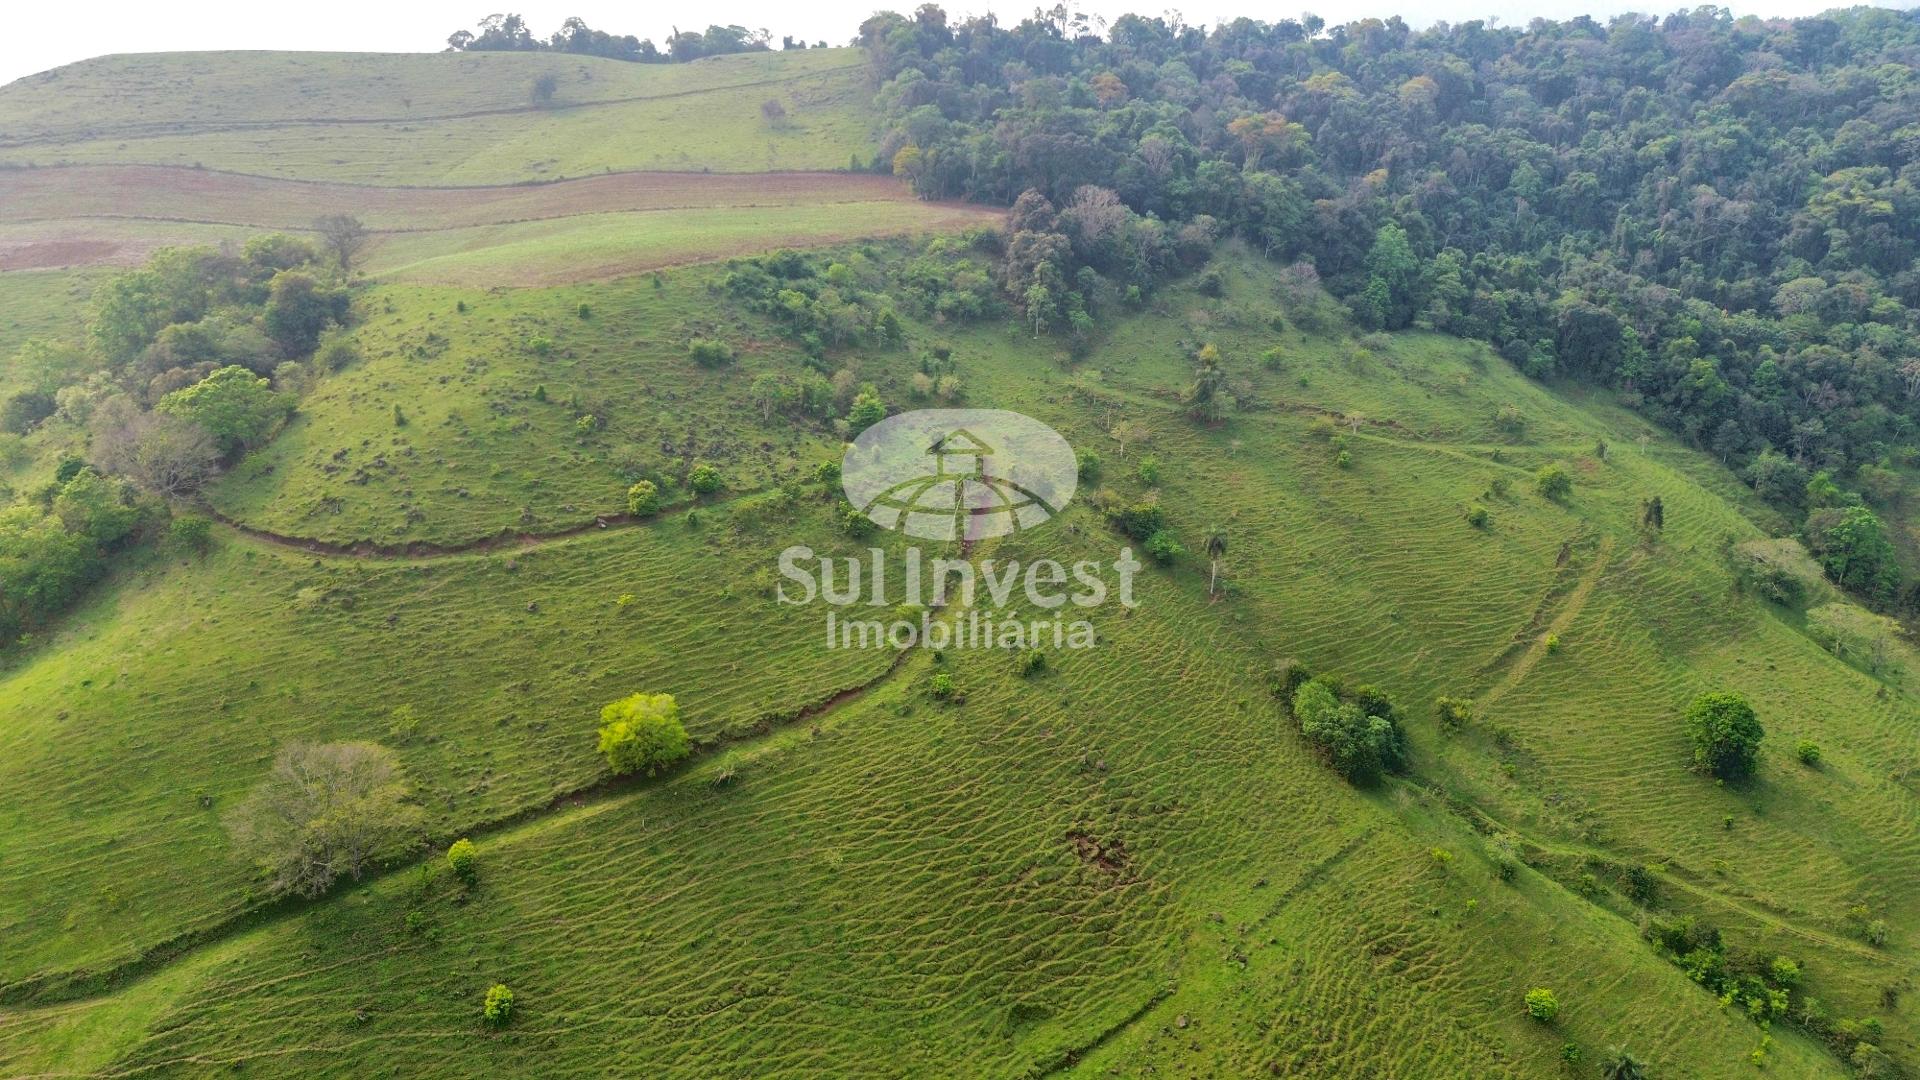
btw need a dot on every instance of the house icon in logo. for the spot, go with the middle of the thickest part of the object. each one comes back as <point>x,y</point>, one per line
<point>961,498</point>
<point>959,443</point>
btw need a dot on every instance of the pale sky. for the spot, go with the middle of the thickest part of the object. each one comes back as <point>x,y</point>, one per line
<point>44,35</point>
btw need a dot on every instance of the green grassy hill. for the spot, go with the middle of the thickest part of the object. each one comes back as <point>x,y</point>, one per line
<point>1128,860</point>
<point>438,120</point>
<point>1125,862</point>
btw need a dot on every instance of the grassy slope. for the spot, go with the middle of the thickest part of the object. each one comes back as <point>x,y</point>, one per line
<point>912,845</point>
<point>893,891</point>
<point>578,230</point>
<point>39,304</point>
<point>478,449</point>
<point>446,119</point>
<point>591,247</point>
<point>221,661</point>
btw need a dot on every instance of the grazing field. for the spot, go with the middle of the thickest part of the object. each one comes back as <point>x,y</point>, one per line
<point>593,247</point>
<point>117,847</point>
<point>1037,875</point>
<point>481,451</point>
<point>39,305</point>
<point>452,119</point>
<point>203,196</point>
<point>1127,859</point>
<point>575,230</point>
<point>1112,861</point>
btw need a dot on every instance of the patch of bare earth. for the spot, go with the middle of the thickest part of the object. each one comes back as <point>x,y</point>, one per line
<point>60,254</point>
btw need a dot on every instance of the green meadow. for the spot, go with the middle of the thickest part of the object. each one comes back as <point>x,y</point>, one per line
<point>39,304</point>
<point>456,119</point>
<point>595,246</point>
<point>1126,859</point>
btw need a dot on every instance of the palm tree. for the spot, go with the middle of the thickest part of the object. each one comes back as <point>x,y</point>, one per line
<point>1621,1065</point>
<point>1216,547</point>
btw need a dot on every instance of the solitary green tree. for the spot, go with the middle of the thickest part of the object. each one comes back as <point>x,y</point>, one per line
<point>323,811</point>
<point>1726,735</point>
<point>643,499</point>
<point>462,858</point>
<point>1553,482</point>
<point>867,411</point>
<point>1205,397</point>
<point>1358,743</point>
<point>643,733</point>
<point>497,1009</point>
<point>344,236</point>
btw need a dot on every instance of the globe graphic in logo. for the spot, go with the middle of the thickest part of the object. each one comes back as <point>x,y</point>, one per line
<point>966,474</point>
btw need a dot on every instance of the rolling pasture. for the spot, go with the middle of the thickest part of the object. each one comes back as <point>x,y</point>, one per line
<point>1038,875</point>
<point>481,451</point>
<point>450,119</point>
<point>529,234</point>
<point>223,660</point>
<point>1126,860</point>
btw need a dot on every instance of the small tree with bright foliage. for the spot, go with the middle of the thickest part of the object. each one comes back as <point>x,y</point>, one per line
<point>867,411</point>
<point>643,499</point>
<point>463,858</point>
<point>498,1007</point>
<point>643,733</point>
<point>1553,482</point>
<point>1542,1005</point>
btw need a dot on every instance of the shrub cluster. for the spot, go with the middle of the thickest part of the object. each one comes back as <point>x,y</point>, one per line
<point>1357,731</point>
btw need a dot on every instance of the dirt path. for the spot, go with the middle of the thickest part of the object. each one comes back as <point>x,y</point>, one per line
<point>1569,610</point>
<point>424,550</point>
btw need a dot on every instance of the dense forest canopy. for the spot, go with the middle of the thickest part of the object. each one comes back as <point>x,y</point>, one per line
<point>1718,216</point>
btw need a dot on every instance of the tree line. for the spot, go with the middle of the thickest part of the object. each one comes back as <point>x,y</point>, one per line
<point>510,33</point>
